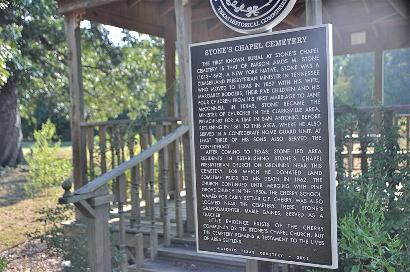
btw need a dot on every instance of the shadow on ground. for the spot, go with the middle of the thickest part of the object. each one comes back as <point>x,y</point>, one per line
<point>12,181</point>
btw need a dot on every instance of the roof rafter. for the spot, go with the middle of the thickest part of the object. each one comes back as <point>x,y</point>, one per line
<point>83,4</point>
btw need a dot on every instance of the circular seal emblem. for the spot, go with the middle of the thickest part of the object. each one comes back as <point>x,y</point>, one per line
<point>252,16</point>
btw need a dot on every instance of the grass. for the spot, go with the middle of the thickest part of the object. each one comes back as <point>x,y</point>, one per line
<point>18,212</point>
<point>19,219</point>
<point>64,151</point>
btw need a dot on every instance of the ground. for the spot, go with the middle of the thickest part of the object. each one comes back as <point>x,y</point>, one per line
<point>18,221</point>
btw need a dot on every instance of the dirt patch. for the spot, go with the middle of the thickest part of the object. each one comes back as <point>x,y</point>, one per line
<point>32,256</point>
<point>19,213</point>
<point>12,182</point>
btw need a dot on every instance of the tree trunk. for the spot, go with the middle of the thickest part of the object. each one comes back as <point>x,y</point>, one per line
<point>11,136</point>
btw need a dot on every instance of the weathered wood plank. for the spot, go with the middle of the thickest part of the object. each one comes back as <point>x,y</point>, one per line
<point>102,132</point>
<point>163,186</point>
<point>103,16</point>
<point>313,12</point>
<point>147,174</point>
<point>190,208</point>
<point>82,4</point>
<point>135,197</point>
<point>121,198</point>
<point>178,200</point>
<point>103,179</point>
<point>128,122</point>
<point>72,32</point>
<point>99,244</point>
<point>90,146</point>
<point>183,14</point>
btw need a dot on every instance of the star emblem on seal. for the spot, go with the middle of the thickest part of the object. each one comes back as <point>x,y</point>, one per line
<point>252,16</point>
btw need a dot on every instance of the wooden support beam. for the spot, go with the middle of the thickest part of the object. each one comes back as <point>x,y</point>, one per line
<point>103,16</point>
<point>98,231</point>
<point>378,87</point>
<point>213,25</point>
<point>170,72</point>
<point>165,8</point>
<point>202,14</point>
<point>313,12</point>
<point>183,15</point>
<point>83,4</point>
<point>378,76</point>
<point>401,6</point>
<point>292,21</point>
<point>133,3</point>
<point>72,32</point>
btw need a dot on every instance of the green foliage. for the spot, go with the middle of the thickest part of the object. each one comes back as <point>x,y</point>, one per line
<point>125,80</point>
<point>45,168</point>
<point>365,244</point>
<point>3,264</point>
<point>353,80</point>
<point>388,175</point>
<point>397,77</point>
<point>121,80</point>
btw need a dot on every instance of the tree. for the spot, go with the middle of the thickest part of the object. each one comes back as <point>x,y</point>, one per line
<point>10,123</point>
<point>354,80</point>
<point>127,79</point>
<point>397,77</point>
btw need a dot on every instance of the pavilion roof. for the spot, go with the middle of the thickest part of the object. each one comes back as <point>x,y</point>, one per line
<point>359,25</point>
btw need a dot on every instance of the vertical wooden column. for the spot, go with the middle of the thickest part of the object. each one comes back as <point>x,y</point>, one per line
<point>378,86</point>
<point>170,81</point>
<point>98,231</point>
<point>178,200</point>
<point>170,72</point>
<point>183,13</point>
<point>103,146</point>
<point>121,197</point>
<point>72,32</point>
<point>313,12</point>
<point>378,75</point>
<point>90,146</point>
<point>163,185</point>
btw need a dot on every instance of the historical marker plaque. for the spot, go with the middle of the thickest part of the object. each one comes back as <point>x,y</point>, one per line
<point>263,141</point>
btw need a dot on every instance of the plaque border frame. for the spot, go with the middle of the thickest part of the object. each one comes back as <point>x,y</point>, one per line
<point>332,148</point>
<point>267,27</point>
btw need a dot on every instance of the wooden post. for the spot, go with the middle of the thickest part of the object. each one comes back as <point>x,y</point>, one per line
<point>139,250</point>
<point>121,199</point>
<point>103,147</point>
<point>151,201</point>
<point>170,72</point>
<point>170,81</point>
<point>183,13</point>
<point>313,12</point>
<point>163,191</point>
<point>143,145</point>
<point>72,32</point>
<point>90,145</point>
<point>378,86</point>
<point>99,245</point>
<point>135,187</point>
<point>148,173</point>
<point>363,136</point>
<point>178,200</point>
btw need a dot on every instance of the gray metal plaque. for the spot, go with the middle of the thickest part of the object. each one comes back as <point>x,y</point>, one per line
<point>263,147</point>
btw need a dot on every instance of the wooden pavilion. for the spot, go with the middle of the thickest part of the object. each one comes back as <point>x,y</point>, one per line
<point>359,26</point>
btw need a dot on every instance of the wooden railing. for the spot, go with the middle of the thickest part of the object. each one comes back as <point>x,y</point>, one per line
<point>127,185</point>
<point>124,184</point>
<point>365,125</point>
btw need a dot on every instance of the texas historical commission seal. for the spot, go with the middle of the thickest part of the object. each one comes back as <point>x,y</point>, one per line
<point>252,16</point>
